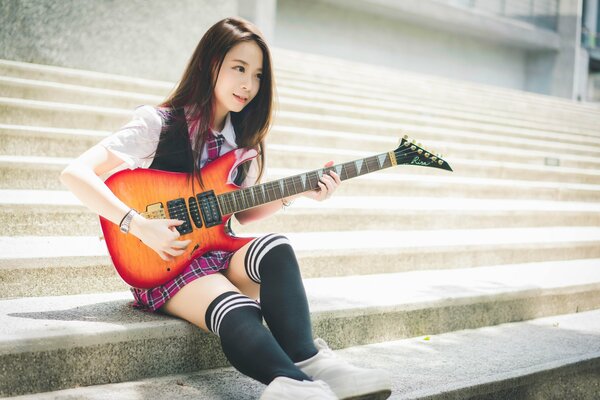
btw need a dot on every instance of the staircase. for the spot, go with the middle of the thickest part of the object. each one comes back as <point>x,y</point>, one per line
<point>481,283</point>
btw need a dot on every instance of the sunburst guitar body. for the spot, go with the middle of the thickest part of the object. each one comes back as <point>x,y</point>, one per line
<point>206,209</point>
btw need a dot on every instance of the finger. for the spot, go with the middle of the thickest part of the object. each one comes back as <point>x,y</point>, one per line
<point>328,164</point>
<point>164,256</point>
<point>322,192</point>
<point>174,253</point>
<point>329,182</point>
<point>335,177</point>
<point>181,244</point>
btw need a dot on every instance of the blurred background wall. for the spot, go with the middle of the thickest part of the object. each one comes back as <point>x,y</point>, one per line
<point>542,46</point>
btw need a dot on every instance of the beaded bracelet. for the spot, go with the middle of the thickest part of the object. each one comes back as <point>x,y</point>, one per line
<point>286,203</point>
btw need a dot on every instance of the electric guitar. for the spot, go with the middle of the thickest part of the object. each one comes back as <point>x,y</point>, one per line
<point>162,194</point>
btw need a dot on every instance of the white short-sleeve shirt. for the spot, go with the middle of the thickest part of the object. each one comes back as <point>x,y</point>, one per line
<point>136,142</point>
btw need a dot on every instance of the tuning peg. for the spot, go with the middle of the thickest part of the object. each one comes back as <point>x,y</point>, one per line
<point>413,141</point>
<point>420,151</point>
<point>433,158</point>
<point>405,137</point>
<point>440,162</point>
<point>426,155</point>
<point>413,148</point>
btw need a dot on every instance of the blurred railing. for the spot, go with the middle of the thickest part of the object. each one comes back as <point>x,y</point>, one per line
<point>590,40</point>
<point>541,13</point>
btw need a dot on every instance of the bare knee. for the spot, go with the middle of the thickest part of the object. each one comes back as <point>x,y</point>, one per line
<point>192,301</point>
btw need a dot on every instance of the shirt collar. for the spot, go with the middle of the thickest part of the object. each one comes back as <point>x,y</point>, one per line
<point>228,132</point>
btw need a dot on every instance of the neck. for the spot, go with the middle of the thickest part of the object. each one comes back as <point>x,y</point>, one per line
<point>219,121</point>
<point>243,199</point>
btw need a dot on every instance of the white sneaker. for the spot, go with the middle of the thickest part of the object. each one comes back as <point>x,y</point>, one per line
<point>283,388</point>
<point>347,381</point>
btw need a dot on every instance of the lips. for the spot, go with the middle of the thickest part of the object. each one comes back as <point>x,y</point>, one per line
<point>240,98</point>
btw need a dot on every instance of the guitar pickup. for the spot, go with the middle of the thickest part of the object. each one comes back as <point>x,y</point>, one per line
<point>209,208</point>
<point>178,210</point>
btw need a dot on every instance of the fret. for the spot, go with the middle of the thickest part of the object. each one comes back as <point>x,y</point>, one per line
<point>313,179</point>
<point>224,205</point>
<point>270,189</point>
<point>257,195</point>
<point>243,199</point>
<point>381,158</point>
<point>350,169</point>
<point>251,194</point>
<point>303,178</point>
<point>287,182</point>
<point>260,193</point>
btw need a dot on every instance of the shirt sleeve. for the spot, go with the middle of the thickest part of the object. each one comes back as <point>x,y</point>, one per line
<point>136,142</point>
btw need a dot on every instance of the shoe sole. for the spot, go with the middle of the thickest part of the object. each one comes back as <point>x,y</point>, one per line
<point>381,395</point>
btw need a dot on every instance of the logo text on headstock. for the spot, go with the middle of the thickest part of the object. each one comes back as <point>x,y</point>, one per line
<point>417,161</point>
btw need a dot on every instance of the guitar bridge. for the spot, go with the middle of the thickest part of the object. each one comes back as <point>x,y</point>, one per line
<point>154,211</point>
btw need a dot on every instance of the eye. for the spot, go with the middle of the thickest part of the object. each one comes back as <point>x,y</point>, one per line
<point>259,76</point>
<point>241,68</point>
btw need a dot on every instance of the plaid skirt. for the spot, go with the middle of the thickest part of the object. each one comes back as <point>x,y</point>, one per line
<point>207,264</point>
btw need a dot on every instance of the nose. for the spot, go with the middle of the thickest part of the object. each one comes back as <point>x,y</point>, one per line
<point>247,84</point>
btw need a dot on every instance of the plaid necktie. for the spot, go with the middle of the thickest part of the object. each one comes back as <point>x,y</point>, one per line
<point>213,145</point>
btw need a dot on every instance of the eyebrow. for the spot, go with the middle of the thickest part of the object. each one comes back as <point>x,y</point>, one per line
<point>245,63</point>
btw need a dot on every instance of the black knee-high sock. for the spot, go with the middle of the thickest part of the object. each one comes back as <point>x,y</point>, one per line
<point>246,342</point>
<point>271,261</point>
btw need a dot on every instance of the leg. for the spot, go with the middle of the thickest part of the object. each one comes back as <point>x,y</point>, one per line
<point>268,265</point>
<point>270,261</point>
<point>214,304</point>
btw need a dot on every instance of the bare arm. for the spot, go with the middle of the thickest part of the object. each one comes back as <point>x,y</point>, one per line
<point>82,178</point>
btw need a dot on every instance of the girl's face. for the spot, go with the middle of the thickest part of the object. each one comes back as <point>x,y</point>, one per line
<point>239,78</point>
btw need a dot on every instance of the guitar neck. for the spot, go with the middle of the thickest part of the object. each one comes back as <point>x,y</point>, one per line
<point>257,195</point>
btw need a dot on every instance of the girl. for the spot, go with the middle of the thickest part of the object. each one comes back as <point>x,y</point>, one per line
<point>224,101</point>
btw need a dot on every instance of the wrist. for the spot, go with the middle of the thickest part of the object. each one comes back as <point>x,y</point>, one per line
<point>136,224</point>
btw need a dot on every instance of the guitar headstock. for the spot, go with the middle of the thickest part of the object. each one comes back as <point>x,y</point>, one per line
<point>411,153</point>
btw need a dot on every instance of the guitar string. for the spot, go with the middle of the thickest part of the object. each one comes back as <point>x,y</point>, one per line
<point>229,200</point>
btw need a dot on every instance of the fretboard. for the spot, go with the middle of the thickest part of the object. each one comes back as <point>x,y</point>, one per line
<point>257,195</point>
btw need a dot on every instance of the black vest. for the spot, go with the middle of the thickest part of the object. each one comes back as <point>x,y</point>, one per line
<point>174,151</point>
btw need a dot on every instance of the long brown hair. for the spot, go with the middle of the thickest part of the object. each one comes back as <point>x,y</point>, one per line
<point>195,90</point>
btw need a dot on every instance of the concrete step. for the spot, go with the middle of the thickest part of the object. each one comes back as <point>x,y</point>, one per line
<point>428,104</point>
<point>25,73</point>
<point>51,265</point>
<point>413,95</point>
<point>430,118</point>
<point>41,339</point>
<point>552,357</point>
<point>309,157</point>
<point>309,100</point>
<point>64,115</point>
<point>515,112</point>
<point>50,73</point>
<point>35,173</point>
<point>19,140</point>
<point>60,213</point>
<point>31,89</point>
<point>422,132</point>
<point>369,78</point>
